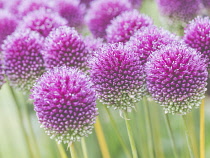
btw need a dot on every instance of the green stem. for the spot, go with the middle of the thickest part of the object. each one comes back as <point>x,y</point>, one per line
<point>168,125</point>
<point>189,143</point>
<point>61,151</point>
<point>72,150</point>
<point>202,130</point>
<point>148,128</point>
<point>114,125</point>
<point>130,135</point>
<point>21,123</point>
<point>35,145</point>
<point>84,148</point>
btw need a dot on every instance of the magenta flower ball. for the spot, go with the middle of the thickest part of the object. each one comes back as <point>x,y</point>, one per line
<point>176,78</point>
<point>117,75</point>
<point>125,25</point>
<point>28,6</point>
<point>65,104</point>
<point>101,13</point>
<point>64,46</point>
<point>197,36</point>
<point>22,58</point>
<point>42,21</point>
<point>72,11</point>
<point>149,40</point>
<point>8,24</point>
<point>183,10</point>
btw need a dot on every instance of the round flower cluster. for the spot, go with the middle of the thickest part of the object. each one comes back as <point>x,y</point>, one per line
<point>28,6</point>
<point>8,24</point>
<point>101,13</point>
<point>176,78</point>
<point>65,103</point>
<point>179,9</point>
<point>42,21</point>
<point>64,46</point>
<point>22,58</point>
<point>125,25</point>
<point>117,75</point>
<point>197,36</point>
<point>72,11</point>
<point>149,40</point>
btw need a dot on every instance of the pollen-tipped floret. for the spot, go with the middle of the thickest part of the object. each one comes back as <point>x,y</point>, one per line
<point>102,12</point>
<point>8,24</point>
<point>176,78</point>
<point>117,75</point>
<point>64,46</point>
<point>125,25</point>
<point>149,40</point>
<point>179,9</point>
<point>22,58</point>
<point>197,36</point>
<point>65,103</point>
<point>72,11</point>
<point>42,21</point>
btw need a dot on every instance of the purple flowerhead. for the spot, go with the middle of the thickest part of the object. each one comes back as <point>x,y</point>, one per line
<point>72,11</point>
<point>28,6</point>
<point>117,75</point>
<point>8,24</point>
<point>65,103</point>
<point>136,3</point>
<point>176,78</point>
<point>179,9</point>
<point>64,46</point>
<point>101,13</point>
<point>149,40</point>
<point>22,58</point>
<point>42,21</point>
<point>197,36</point>
<point>125,25</point>
<point>86,2</point>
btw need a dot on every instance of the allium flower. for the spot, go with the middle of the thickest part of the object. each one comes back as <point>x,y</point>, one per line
<point>197,35</point>
<point>23,61</point>
<point>93,44</point>
<point>65,103</point>
<point>42,21</point>
<point>136,3</point>
<point>149,40</point>
<point>8,24</point>
<point>125,25</point>
<point>117,75</point>
<point>102,12</point>
<point>176,78</point>
<point>72,11</point>
<point>31,5</point>
<point>64,46</point>
<point>86,2</point>
<point>179,9</point>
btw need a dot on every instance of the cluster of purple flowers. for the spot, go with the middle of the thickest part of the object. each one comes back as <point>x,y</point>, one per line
<point>124,59</point>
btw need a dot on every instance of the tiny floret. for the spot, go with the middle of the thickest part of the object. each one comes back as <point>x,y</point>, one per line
<point>65,104</point>
<point>176,78</point>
